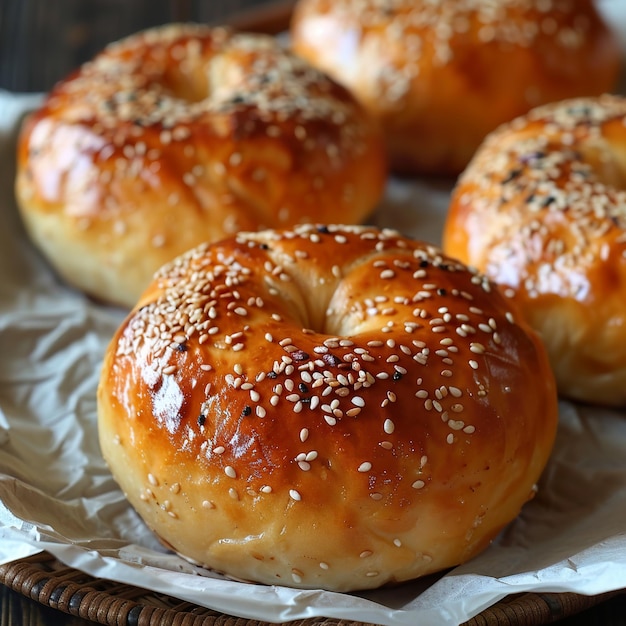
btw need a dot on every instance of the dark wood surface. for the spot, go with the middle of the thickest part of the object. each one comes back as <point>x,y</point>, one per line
<point>41,41</point>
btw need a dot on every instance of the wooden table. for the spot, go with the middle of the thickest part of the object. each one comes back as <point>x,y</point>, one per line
<point>42,41</point>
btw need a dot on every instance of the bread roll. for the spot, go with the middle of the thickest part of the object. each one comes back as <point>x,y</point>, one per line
<point>325,407</point>
<point>183,134</point>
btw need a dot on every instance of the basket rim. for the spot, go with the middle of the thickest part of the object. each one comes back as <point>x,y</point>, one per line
<point>46,580</point>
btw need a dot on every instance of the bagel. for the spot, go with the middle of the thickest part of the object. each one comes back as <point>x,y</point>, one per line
<point>181,134</point>
<point>441,74</point>
<point>541,211</point>
<point>325,407</point>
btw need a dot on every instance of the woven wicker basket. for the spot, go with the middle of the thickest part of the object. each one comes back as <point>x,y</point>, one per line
<point>44,579</point>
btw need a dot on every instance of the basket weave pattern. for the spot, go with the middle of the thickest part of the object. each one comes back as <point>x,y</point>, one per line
<point>44,579</point>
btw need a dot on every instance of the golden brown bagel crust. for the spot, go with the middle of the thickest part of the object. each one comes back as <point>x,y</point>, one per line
<point>333,407</point>
<point>183,134</point>
<point>542,211</point>
<point>441,74</point>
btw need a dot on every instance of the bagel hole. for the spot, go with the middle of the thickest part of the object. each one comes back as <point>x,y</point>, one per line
<point>187,88</point>
<point>608,163</point>
<point>341,308</point>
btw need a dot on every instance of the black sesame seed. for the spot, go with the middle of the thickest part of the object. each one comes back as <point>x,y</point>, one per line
<point>331,360</point>
<point>299,355</point>
<point>526,158</point>
<point>201,419</point>
<point>441,292</point>
<point>397,375</point>
<point>247,410</point>
<point>181,347</point>
<point>302,388</point>
<point>264,246</point>
<point>424,263</point>
<point>272,374</point>
<point>513,174</point>
<point>323,229</point>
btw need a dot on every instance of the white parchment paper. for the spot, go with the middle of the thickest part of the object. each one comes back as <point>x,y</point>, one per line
<point>56,493</point>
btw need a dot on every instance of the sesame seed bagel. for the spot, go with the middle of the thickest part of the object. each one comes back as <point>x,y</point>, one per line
<point>542,211</point>
<point>441,74</point>
<point>325,407</point>
<point>183,134</point>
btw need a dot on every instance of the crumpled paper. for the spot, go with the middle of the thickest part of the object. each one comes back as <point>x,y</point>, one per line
<point>57,495</point>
